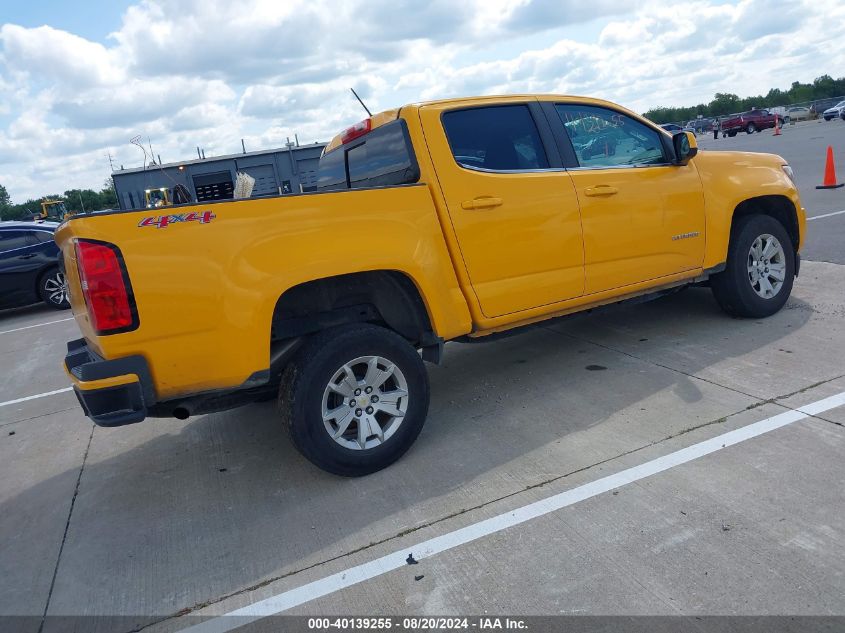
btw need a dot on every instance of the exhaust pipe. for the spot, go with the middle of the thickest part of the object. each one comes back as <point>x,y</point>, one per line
<point>181,413</point>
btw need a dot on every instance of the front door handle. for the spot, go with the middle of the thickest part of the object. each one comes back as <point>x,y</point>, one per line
<point>481,203</point>
<point>601,190</point>
<point>27,256</point>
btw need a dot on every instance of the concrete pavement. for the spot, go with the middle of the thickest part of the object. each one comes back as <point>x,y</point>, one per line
<point>171,515</point>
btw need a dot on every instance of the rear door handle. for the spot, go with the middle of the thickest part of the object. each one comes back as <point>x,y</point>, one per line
<point>601,190</point>
<point>481,203</point>
<point>28,256</point>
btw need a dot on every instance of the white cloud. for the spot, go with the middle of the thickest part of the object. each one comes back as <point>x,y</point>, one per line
<point>47,54</point>
<point>138,101</point>
<point>211,72</point>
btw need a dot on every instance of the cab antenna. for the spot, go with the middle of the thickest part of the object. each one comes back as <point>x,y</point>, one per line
<point>361,102</point>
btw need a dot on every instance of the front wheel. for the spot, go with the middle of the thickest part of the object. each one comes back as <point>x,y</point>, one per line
<point>53,289</point>
<point>751,128</point>
<point>758,277</point>
<point>354,399</point>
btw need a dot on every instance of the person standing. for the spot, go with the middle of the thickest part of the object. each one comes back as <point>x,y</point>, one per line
<point>716,128</point>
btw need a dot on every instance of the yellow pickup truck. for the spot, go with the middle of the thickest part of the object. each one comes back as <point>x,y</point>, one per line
<point>434,222</point>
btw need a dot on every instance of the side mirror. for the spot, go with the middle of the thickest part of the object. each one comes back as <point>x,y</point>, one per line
<point>685,147</point>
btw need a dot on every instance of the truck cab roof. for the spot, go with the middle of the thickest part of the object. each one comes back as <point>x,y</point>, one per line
<point>381,118</point>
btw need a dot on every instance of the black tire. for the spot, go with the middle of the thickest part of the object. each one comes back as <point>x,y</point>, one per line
<point>307,376</point>
<point>751,128</point>
<point>731,134</point>
<point>733,287</point>
<point>49,289</point>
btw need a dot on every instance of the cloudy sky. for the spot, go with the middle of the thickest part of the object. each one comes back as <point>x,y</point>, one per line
<point>80,79</point>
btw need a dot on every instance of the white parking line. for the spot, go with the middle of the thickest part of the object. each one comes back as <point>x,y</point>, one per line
<point>355,575</point>
<point>826,215</point>
<point>38,395</point>
<point>18,329</point>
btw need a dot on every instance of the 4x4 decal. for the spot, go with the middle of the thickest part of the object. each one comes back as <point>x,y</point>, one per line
<point>162,221</point>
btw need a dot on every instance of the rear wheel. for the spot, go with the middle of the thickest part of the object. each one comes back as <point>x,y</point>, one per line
<point>354,399</point>
<point>53,289</point>
<point>751,128</point>
<point>760,269</point>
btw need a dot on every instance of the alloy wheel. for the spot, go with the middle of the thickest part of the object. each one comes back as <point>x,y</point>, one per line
<point>55,287</point>
<point>365,402</point>
<point>766,266</point>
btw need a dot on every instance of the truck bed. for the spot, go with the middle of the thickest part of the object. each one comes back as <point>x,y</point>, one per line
<point>206,277</point>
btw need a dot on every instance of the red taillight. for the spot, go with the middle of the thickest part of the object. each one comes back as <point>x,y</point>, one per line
<point>105,287</point>
<point>356,131</point>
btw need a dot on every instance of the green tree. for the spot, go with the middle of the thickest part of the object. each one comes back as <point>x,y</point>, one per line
<point>724,103</point>
<point>8,211</point>
<point>78,200</point>
<point>824,87</point>
<point>108,197</point>
<point>30,207</point>
<point>13,212</point>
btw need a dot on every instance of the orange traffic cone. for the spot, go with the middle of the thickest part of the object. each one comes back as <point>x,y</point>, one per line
<point>830,173</point>
<point>777,126</point>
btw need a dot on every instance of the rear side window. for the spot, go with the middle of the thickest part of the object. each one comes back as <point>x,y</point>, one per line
<point>498,138</point>
<point>43,236</point>
<point>382,158</point>
<point>10,240</point>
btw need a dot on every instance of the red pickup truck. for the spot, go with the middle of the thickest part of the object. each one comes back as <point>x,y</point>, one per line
<point>750,122</point>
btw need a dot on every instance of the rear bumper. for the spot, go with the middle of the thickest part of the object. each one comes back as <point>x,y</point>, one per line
<point>111,392</point>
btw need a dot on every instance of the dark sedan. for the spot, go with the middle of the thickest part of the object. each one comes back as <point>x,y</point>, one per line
<point>672,128</point>
<point>29,265</point>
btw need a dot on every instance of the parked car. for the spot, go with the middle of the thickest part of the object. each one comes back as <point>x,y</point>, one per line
<point>672,128</point>
<point>29,265</point>
<point>750,122</point>
<point>701,126</point>
<point>821,105</point>
<point>835,111</point>
<point>797,113</point>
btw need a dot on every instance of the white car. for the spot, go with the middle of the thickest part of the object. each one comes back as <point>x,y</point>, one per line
<point>834,112</point>
<point>797,113</point>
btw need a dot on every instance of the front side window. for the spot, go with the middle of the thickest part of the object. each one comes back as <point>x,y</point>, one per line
<point>497,138</point>
<point>606,138</point>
